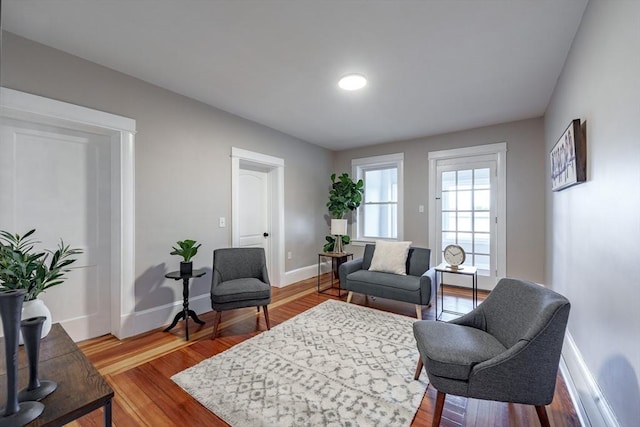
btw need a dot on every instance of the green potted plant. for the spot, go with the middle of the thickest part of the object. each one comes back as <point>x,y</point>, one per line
<point>345,196</point>
<point>187,249</point>
<point>22,267</point>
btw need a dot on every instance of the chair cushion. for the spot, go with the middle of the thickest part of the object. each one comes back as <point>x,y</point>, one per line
<point>373,278</point>
<point>385,285</point>
<point>453,350</point>
<point>390,257</point>
<point>240,290</point>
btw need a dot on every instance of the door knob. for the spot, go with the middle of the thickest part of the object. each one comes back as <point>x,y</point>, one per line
<point>265,234</point>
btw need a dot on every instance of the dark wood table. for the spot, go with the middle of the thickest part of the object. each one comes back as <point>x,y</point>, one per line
<point>81,388</point>
<point>186,311</point>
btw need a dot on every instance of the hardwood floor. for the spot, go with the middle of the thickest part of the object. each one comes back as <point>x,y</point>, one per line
<point>139,368</point>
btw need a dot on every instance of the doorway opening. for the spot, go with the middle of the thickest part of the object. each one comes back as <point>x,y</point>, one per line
<point>257,206</point>
<point>118,133</point>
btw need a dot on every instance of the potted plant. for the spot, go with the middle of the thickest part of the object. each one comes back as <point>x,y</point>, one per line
<point>22,267</point>
<point>345,196</point>
<point>187,250</point>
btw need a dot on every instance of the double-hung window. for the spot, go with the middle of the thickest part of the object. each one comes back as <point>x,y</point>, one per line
<point>380,214</point>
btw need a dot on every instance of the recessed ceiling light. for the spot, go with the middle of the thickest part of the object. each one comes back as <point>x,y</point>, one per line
<point>353,82</point>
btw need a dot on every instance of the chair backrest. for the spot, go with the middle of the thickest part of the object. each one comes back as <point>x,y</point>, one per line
<point>240,263</point>
<point>418,259</point>
<point>520,310</point>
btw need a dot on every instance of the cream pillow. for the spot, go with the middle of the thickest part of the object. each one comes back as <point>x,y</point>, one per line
<point>390,257</point>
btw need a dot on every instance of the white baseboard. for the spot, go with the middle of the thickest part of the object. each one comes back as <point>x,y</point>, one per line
<point>304,273</point>
<point>591,406</point>
<point>146,320</point>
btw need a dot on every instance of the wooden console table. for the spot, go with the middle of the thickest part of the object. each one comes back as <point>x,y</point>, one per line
<point>81,388</point>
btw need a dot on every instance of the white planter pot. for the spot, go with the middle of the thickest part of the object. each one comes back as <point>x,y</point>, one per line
<point>36,308</point>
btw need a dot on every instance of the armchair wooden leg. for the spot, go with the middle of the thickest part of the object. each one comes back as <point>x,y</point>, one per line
<point>349,297</point>
<point>216,323</point>
<point>266,316</point>
<point>418,312</point>
<point>418,369</point>
<point>542,415</point>
<point>437,414</point>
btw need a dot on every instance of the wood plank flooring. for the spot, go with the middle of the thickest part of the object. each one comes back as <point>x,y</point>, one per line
<point>139,368</point>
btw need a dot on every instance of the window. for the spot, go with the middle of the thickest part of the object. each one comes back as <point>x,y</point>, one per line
<point>467,207</point>
<point>380,214</point>
<point>466,212</point>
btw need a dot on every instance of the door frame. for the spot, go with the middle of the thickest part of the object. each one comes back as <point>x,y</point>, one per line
<point>121,133</point>
<point>499,152</point>
<point>274,167</point>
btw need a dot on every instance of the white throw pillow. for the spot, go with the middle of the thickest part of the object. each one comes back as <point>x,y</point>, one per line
<point>390,257</point>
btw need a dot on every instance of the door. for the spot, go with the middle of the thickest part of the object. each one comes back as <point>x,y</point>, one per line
<point>58,181</point>
<point>253,214</point>
<point>466,215</point>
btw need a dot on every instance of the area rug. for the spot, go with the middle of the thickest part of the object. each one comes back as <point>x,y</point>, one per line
<point>336,364</point>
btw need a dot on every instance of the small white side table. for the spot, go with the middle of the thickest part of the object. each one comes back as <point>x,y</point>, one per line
<point>466,270</point>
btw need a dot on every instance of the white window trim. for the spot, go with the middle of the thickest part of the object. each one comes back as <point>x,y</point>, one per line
<point>499,152</point>
<point>357,166</point>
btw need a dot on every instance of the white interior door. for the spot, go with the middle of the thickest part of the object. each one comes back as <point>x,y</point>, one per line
<point>58,181</point>
<point>257,209</point>
<point>253,215</point>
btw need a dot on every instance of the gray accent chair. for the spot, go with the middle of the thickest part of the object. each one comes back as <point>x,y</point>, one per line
<point>507,349</point>
<point>416,287</point>
<point>240,279</point>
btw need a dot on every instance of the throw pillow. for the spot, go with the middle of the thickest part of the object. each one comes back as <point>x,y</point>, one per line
<point>390,257</point>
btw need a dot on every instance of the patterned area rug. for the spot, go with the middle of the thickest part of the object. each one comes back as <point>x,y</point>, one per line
<point>336,364</point>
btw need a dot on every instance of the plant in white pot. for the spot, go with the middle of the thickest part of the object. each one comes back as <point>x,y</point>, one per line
<point>345,196</point>
<point>187,249</point>
<point>23,267</point>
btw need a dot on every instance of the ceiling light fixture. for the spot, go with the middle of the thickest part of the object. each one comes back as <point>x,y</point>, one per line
<point>353,82</point>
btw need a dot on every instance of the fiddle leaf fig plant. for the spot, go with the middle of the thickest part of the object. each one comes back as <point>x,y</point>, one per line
<point>331,242</point>
<point>23,268</point>
<point>345,195</point>
<point>187,249</point>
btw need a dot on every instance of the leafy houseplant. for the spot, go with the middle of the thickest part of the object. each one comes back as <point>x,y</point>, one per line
<point>187,250</point>
<point>345,196</point>
<point>23,268</point>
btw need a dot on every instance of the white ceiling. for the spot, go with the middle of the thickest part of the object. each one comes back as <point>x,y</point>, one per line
<point>434,66</point>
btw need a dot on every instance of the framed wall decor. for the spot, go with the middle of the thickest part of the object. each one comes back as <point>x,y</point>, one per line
<point>569,158</point>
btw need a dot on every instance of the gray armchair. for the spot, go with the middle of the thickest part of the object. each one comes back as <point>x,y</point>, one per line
<point>240,279</point>
<point>507,349</point>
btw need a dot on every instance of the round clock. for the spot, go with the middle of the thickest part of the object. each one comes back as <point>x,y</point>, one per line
<point>454,255</point>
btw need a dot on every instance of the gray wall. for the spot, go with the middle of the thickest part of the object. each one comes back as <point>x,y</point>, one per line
<point>183,166</point>
<point>593,229</point>
<point>525,186</point>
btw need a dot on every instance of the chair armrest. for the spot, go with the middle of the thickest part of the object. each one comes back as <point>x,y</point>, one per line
<point>474,319</point>
<point>265,275</point>
<point>347,268</point>
<point>524,373</point>
<point>215,278</point>
<point>428,286</point>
